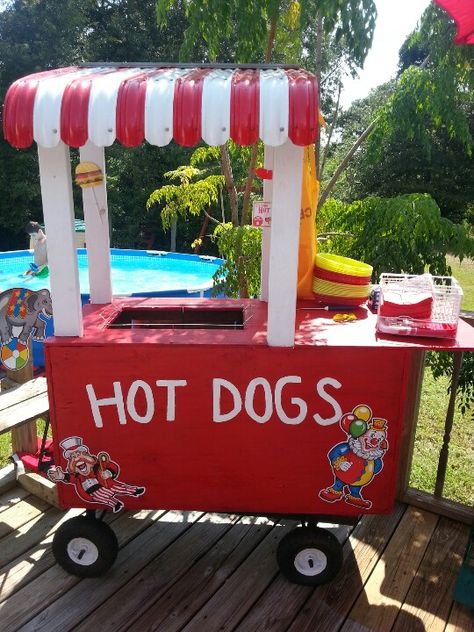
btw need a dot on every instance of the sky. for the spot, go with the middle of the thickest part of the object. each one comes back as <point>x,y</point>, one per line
<point>396,19</point>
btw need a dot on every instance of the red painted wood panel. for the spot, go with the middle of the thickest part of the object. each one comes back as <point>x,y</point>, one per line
<point>182,442</point>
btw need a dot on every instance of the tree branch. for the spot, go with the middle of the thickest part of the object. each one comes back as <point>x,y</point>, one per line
<point>229,184</point>
<point>212,219</point>
<point>331,130</point>
<point>342,167</point>
<point>318,72</point>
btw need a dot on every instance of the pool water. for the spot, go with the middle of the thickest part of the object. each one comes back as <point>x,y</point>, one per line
<point>134,272</point>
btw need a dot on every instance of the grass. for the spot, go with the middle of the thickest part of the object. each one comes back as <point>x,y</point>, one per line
<point>459,483</point>
<point>464,274</point>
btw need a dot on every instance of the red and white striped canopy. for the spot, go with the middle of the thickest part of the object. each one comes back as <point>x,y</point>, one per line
<point>158,104</point>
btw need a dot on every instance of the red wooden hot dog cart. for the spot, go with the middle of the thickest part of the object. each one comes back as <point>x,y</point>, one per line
<point>262,406</point>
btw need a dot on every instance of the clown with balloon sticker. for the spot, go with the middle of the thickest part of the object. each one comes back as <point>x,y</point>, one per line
<point>356,461</point>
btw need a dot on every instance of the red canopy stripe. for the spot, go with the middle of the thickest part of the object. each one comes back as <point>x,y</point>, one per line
<point>130,116</point>
<point>245,107</point>
<point>19,106</point>
<point>187,107</point>
<point>462,12</point>
<point>103,104</point>
<point>75,109</point>
<point>303,97</point>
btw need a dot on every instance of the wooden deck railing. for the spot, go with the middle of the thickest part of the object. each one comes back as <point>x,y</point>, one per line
<point>433,502</point>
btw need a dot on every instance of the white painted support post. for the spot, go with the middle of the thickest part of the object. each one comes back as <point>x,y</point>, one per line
<point>266,233</point>
<point>285,232</point>
<point>58,213</point>
<point>96,216</point>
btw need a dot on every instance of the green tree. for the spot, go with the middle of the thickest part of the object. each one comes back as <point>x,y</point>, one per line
<point>401,234</point>
<point>264,31</point>
<point>33,36</point>
<point>423,130</point>
<point>41,34</point>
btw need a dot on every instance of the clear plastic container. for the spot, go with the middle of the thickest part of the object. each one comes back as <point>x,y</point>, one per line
<point>419,305</point>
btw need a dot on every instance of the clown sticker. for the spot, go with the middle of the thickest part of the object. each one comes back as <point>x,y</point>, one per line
<point>357,460</point>
<point>95,477</point>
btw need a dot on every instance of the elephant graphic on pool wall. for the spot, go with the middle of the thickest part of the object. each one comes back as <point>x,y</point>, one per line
<point>21,308</point>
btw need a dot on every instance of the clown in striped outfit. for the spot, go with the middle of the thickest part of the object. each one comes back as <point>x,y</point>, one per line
<point>95,478</point>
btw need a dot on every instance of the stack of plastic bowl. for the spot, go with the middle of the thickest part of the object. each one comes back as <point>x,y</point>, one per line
<point>341,281</point>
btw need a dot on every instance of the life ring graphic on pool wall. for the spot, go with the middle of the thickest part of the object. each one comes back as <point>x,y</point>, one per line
<point>21,308</point>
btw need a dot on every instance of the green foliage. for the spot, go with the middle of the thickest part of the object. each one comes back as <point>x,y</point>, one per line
<point>231,240</point>
<point>422,140</point>
<point>40,34</point>
<point>350,22</point>
<point>401,234</point>
<point>459,483</point>
<point>210,158</point>
<point>441,364</point>
<point>432,98</point>
<point>238,28</point>
<point>192,195</point>
<point>424,101</point>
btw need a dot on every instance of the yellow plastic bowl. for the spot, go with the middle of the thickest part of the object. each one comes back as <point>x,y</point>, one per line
<point>330,288</point>
<point>342,265</point>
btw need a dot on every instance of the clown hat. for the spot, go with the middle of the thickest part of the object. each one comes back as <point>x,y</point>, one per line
<point>73,444</point>
<point>379,424</point>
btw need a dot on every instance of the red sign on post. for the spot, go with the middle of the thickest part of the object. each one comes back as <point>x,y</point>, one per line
<point>261,214</point>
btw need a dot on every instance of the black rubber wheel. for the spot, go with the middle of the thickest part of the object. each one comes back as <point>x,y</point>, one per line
<point>309,556</point>
<point>85,546</point>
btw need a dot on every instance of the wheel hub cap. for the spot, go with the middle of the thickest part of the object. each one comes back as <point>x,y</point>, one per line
<point>82,551</point>
<point>310,562</point>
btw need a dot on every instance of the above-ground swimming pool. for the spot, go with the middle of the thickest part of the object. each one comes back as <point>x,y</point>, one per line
<point>134,273</point>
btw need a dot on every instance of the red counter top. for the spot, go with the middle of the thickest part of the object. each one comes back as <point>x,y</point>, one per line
<point>314,327</point>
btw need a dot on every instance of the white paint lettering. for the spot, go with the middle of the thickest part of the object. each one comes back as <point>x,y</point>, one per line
<point>250,396</point>
<point>296,401</point>
<point>171,386</point>
<point>117,401</point>
<point>150,402</point>
<point>218,384</point>
<point>327,421</point>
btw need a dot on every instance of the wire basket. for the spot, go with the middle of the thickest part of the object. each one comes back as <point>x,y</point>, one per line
<point>419,305</point>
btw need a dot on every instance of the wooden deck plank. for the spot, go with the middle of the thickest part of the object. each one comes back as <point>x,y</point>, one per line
<point>35,560</point>
<point>229,605</point>
<point>328,606</point>
<point>280,603</point>
<point>183,600</point>
<point>436,576</point>
<point>19,514</point>
<point>11,497</point>
<point>23,403</point>
<point>18,542</point>
<point>67,611</point>
<point>20,393</point>
<point>125,605</point>
<point>378,605</point>
<point>461,619</point>
<point>47,589</point>
<point>203,576</point>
